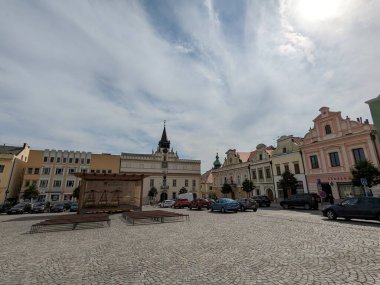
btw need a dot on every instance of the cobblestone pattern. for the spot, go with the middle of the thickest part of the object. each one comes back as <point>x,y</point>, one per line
<point>267,247</point>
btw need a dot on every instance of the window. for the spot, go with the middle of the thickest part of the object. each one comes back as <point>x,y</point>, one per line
<point>30,170</point>
<point>88,161</point>
<point>267,173</point>
<point>83,170</point>
<point>44,183</point>
<point>70,160</point>
<point>36,171</point>
<point>57,183</point>
<point>334,159</point>
<point>174,183</point>
<point>151,182</point>
<point>260,157</point>
<point>358,154</point>
<point>76,160</point>
<point>64,160</point>
<point>54,197</point>
<point>284,150</point>
<point>45,159</point>
<point>71,171</point>
<point>27,183</point>
<point>82,161</point>
<point>239,182</point>
<point>261,174</point>
<point>314,161</point>
<point>278,170</point>
<point>194,183</point>
<point>59,171</point>
<point>328,129</point>
<point>51,159</point>
<point>70,183</point>
<point>46,171</point>
<point>104,171</point>
<point>297,168</point>
<point>286,166</point>
<point>98,171</point>
<point>109,171</point>
<point>58,159</point>
<point>2,168</point>
<point>186,183</point>
<point>254,174</point>
<point>92,171</point>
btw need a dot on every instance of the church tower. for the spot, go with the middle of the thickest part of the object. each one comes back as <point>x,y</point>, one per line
<point>164,143</point>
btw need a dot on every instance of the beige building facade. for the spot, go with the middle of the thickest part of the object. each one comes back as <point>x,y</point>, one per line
<point>13,160</point>
<point>288,157</point>
<point>167,172</point>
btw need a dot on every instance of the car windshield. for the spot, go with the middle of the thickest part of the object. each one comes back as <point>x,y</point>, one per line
<point>20,206</point>
<point>227,200</point>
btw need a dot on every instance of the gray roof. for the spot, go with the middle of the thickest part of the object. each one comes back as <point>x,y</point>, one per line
<point>7,149</point>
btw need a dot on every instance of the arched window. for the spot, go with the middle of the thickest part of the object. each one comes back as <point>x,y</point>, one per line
<point>328,129</point>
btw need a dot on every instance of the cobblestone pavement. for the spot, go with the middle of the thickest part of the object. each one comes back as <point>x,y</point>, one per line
<point>270,246</point>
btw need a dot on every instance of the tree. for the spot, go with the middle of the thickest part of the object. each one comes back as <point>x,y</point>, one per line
<point>182,190</point>
<point>288,182</point>
<point>152,192</point>
<point>31,192</point>
<point>248,186</point>
<point>226,188</point>
<point>76,192</point>
<point>365,169</point>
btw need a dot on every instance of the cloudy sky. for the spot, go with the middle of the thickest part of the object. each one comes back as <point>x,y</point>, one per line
<point>102,76</point>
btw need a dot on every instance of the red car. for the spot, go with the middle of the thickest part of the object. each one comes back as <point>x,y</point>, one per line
<point>199,204</point>
<point>181,203</point>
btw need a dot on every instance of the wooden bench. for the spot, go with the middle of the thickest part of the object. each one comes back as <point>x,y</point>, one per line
<point>157,216</point>
<point>71,222</point>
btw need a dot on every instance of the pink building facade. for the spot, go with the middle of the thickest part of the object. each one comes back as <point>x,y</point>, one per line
<point>331,148</point>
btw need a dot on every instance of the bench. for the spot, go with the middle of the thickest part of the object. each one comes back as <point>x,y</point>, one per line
<point>71,222</point>
<point>157,216</point>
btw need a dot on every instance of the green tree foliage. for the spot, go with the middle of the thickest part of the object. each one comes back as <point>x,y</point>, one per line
<point>248,186</point>
<point>182,190</point>
<point>288,182</point>
<point>152,192</point>
<point>365,169</point>
<point>76,192</point>
<point>31,192</point>
<point>226,188</point>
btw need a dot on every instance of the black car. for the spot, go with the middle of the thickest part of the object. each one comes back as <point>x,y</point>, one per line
<point>247,203</point>
<point>57,208</point>
<point>262,200</point>
<point>367,208</point>
<point>20,208</point>
<point>38,207</point>
<point>304,200</point>
<point>5,207</point>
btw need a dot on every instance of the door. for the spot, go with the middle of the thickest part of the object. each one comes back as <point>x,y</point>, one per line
<point>352,208</point>
<point>163,196</point>
<point>270,194</point>
<point>329,196</point>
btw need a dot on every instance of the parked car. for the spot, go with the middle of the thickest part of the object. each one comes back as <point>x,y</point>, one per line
<point>304,200</point>
<point>181,203</point>
<point>60,207</point>
<point>38,207</point>
<point>167,204</point>
<point>5,207</point>
<point>74,207</point>
<point>247,203</point>
<point>20,208</point>
<point>199,203</point>
<point>67,206</point>
<point>262,200</point>
<point>367,208</point>
<point>225,205</point>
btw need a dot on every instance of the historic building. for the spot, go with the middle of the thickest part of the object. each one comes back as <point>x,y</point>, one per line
<point>167,172</point>
<point>288,157</point>
<point>52,171</point>
<point>332,147</point>
<point>12,163</point>
<point>207,180</point>
<point>374,106</point>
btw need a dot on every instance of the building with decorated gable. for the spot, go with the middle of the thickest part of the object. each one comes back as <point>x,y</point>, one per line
<point>261,172</point>
<point>332,147</point>
<point>167,172</point>
<point>288,157</point>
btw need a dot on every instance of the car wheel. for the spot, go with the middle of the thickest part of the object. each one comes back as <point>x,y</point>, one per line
<point>223,210</point>
<point>190,208</point>
<point>331,215</point>
<point>347,219</point>
<point>306,206</point>
<point>242,209</point>
<point>285,206</point>
<point>211,209</point>
<point>255,210</point>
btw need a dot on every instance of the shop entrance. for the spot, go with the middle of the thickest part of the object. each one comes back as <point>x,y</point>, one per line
<point>327,189</point>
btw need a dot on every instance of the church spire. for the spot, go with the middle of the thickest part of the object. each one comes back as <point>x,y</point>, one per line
<point>164,143</point>
<point>217,163</point>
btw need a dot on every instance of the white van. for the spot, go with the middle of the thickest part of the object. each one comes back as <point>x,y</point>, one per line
<point>188,196</point>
